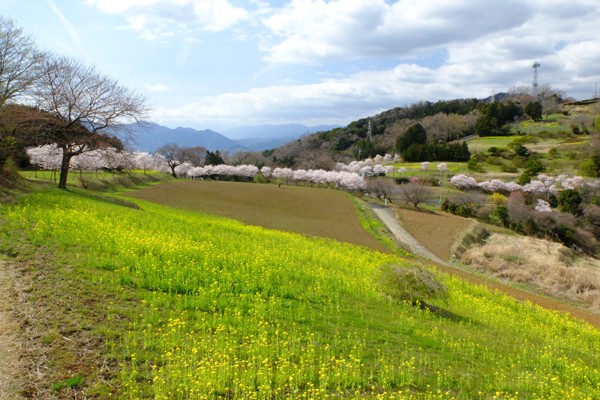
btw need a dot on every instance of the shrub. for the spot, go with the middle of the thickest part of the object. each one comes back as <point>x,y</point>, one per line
<point>569,200</point>
<point>509,167</point>
<point>500,216</point>
<point>412,284</point>
<point>498,198</point>
<point>260,178</point>
<point>445,205</point>
<point>472,165</point>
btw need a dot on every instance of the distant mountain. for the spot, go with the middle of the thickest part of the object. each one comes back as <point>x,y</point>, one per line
<point>252,138</point>
<point>263,137</point>
<point>153,136</point>
<point>292,131</point>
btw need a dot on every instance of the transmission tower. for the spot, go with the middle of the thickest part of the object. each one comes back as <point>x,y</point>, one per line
<point>535,66</point>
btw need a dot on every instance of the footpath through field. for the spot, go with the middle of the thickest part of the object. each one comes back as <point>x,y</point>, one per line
<point>403,236</point>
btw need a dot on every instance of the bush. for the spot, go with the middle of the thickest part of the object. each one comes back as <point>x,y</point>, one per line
<point>500,216</point>
<point>499,198</point>
<point>570,200</point>
<point>412,284</point>
<point>260,178</point>
<point>509,167</point>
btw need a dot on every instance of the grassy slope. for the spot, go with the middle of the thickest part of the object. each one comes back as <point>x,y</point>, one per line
<point>184,305</point>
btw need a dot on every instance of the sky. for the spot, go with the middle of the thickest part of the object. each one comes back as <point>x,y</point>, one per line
<point>218,64</point>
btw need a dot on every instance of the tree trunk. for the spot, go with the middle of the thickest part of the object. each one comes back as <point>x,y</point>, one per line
<point>64,169</point>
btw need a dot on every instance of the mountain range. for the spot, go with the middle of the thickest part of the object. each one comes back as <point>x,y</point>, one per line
<point>250,138</point>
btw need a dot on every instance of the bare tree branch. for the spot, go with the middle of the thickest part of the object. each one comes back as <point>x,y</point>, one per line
<point>19,61</point>
<point>85,109</point>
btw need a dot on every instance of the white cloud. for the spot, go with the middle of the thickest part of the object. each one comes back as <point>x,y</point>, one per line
<point>155,19</point>
<point>319,30</point>
<point>120,6</point>
<point>157,88</point>
<point>431,50</point>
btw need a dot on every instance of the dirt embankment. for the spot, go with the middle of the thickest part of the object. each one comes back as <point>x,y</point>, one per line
<point>440,232</point>
<point>11,371</point>
<point>550,267</point>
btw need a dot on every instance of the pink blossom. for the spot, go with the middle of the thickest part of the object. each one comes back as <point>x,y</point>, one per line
<point>463,181</point>
<point>543,206</point>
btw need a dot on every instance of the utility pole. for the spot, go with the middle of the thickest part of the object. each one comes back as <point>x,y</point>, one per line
<point>535,66</point>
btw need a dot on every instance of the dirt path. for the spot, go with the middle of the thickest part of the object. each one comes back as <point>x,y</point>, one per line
<point>403,236</point>
<point>388,217</point>
<point>10,371</point>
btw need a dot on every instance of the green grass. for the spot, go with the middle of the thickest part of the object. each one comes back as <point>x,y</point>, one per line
<point>189,305</point>
<point>100,180</point>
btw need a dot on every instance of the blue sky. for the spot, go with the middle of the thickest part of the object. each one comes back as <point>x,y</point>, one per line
<point>223,63</point>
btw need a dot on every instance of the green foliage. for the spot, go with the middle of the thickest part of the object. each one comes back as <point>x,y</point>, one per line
<point>437,152</point>
<point>569,200</point>
<point>591,167</point>
<point>260,178</point>
<point>70,383</point>
<point>214,158</point>
<point>412,284</point>
<point>495,117</point>
<point>534,110</point>
<point>474,165</point>
<point>416,134</point>
<point>500,216</point>
<point>343,143</point>
<point>365,149</point>
<point>532,169</point>
<point>521,151</point>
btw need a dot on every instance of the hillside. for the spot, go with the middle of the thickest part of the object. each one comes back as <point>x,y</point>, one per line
<point>143,301</point>
<point>444,122</point>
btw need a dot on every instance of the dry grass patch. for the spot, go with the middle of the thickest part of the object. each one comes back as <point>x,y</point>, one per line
<point>550,267</point>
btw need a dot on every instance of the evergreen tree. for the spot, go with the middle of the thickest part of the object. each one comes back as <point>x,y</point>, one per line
<point>214,158</point>
<point>416,134</point>
<point>534,110</point>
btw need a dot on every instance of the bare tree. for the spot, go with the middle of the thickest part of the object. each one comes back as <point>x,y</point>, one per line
<point>175,155</point>
<point>416,193</point>
<point>382,188</point>
<point>19,61</point>
<point>83,109</point>
<point>195,155</point>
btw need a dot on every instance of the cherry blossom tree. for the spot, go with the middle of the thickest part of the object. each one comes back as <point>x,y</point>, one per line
<point>266,171</point>
<point>542,206</point>
<point>464,182</point>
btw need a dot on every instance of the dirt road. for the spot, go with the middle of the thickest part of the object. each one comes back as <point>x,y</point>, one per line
<point>388,217</point>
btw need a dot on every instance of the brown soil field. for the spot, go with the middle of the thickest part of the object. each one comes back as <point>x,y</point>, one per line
<point>436,231</point>
<point>305,210</point>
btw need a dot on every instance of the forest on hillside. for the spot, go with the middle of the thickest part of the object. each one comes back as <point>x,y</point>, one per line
<point>442,122</point>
